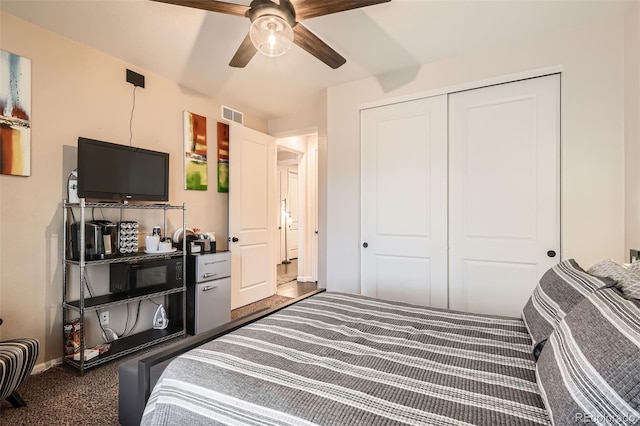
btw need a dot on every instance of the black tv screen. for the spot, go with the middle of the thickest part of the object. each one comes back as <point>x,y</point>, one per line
<point>109,171</point>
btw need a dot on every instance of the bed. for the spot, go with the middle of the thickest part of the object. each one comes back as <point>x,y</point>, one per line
<point>340,359</point>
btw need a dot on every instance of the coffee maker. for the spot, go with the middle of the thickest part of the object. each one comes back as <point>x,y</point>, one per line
<point>100,238</point>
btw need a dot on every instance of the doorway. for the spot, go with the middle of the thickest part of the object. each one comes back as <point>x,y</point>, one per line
<point>297,209</point>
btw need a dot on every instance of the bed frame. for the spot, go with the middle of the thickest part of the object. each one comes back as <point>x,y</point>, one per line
<point>138,376</point>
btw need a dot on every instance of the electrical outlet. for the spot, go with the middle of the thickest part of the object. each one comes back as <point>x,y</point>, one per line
<point>104,318</point>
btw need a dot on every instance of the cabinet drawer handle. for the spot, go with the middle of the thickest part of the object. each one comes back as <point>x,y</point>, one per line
<point>209,274</point>
<point>209,287</point>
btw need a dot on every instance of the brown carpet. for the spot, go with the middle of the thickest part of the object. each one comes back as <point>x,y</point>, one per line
<point>59,396</point>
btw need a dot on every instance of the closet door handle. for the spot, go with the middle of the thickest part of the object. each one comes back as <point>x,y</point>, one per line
<point>551,253</point>
<point>365,244</point>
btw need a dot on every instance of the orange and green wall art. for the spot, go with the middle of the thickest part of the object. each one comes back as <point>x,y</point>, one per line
<point>15,114</point>
<point>195,146</point>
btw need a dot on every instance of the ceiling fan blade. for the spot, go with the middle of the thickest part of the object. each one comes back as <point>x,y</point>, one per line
<point>211,6</point>
<point>243,55</point>
<point>318,48</point>
<point>306,9</point>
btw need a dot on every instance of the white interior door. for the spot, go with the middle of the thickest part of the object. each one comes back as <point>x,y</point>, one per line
<point>504,193</point>
<point>293,217</point>
<point>314,214</point>
<point>404,202</point>
<point>252,215</point>
<point>282,212</point>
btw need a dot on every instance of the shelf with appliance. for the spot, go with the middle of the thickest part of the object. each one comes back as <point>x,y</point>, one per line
<point>106,300</point>
<point>82,251</point>
<point>125,258</point>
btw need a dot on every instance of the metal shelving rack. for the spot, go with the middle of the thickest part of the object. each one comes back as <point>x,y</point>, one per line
<point>138,341</point>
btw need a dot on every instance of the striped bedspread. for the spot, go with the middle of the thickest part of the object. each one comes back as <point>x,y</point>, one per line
<point>338,359</point>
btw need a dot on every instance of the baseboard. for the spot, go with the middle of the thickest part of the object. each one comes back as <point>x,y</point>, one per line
<point>306,279</point>
<point>44,366</point>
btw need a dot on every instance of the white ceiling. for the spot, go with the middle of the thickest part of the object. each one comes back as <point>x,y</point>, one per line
<point>194,47</point>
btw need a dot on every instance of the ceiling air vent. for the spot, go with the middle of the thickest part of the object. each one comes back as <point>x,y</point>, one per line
<point>232,115</point>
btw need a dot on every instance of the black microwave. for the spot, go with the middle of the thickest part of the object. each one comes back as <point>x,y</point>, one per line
<point>146,276</point>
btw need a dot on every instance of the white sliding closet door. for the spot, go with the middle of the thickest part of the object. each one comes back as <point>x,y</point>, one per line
<point>504,193</point>
<point>404,202</point>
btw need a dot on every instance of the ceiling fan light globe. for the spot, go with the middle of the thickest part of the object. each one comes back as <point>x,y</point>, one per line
<point>271,35</point>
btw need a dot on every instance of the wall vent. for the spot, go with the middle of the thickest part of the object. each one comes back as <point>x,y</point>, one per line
<point>232,115</point>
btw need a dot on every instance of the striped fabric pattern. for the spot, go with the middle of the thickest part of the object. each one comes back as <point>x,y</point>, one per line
<point>560,289</point>
<point>338,359</point>
<point>17,358</point>
<point>589,371</point>
<point>611,269</point>
<point>630,282</point>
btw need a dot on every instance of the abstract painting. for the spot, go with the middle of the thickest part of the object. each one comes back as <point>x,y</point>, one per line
<point>195,147</point>
<point>223,157</point>
<point>15,114</point>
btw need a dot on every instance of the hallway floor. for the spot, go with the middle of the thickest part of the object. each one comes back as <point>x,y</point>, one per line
<point>288,286</point>
<point>296,288</point>
<point>287,272</point>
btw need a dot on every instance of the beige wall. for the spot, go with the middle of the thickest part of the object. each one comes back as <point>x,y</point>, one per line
<point>592,60</point>
<point>632,128</point>
<point>78,91</point>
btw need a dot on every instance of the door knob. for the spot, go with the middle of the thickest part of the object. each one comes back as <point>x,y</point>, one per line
<point>234,240</point>
<point>365,244</point>
<point>551,253</point>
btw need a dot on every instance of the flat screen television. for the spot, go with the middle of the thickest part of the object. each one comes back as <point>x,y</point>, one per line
<point>109,171</point>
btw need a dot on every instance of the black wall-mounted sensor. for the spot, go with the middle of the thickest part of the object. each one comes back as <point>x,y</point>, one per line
<point>135,78</point>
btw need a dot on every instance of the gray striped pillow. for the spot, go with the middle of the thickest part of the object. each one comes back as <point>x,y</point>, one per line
<point>589,370</point>
<point>608,268</point>
<point>560,289</point>
<point>630,286</point>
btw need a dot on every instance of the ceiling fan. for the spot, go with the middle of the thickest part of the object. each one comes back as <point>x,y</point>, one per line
<point>276,24</point>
